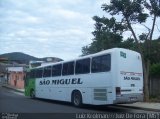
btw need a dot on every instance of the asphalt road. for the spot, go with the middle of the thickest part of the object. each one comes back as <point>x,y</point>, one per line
<point>14,102</point>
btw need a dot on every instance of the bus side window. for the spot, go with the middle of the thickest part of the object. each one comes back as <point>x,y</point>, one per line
<point>68,68</point>
<point>82,66</point>
<point>101,63</point>
<point>47,71</point>
<point>33,73</point>
<point>56,70</point>
<point>39,73</point>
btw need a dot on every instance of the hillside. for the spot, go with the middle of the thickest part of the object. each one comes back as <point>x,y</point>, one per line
<point>23,58</point>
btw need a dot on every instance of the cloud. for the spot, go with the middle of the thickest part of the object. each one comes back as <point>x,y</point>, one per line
<point>43,28</point>
<point>50,23</point>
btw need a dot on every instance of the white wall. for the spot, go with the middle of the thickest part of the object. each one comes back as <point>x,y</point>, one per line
<point>16,69</point>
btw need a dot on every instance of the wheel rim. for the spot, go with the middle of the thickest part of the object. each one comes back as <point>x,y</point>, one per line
<point>76,99</point>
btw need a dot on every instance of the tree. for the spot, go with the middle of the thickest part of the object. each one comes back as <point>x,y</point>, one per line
<point>128,44</point>
<point>154,55</point>
<point>107,34</point>
<point>132,12</point>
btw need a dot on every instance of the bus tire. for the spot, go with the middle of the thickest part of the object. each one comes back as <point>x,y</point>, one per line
<point>76,98</point>
<point>32,94</point>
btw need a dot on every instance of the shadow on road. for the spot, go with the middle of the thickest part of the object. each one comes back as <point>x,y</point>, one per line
<point>101,108</point>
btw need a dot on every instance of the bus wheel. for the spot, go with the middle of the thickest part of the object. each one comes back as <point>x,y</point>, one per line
<point>77,99</point>
<point>32,94</point>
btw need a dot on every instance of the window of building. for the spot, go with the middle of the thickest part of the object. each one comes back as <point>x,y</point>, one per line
<point>68,68</point>
<point>47,71</point>
<point>82,66</point>
<point>56,70</point>
<point>101,63</point>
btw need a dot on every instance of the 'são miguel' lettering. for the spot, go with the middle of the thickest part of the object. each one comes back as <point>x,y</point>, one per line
<point>44,82</point>
<point>61,81</point>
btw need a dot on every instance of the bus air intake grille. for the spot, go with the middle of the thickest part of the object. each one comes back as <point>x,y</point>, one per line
<point>100,94</point>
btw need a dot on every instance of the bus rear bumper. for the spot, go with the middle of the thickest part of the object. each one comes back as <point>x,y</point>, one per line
<point>128,98</point>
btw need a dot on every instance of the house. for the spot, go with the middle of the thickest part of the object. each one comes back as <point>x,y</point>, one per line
<point>16,76</point>
<point>3,71</point>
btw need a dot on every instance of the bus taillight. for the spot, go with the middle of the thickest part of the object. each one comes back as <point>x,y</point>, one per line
<point>118,91</point>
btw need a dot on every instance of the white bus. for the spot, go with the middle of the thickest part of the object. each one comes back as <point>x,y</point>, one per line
<point>108,77</point>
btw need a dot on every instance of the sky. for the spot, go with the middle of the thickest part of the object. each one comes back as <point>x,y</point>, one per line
<point>49,28</point>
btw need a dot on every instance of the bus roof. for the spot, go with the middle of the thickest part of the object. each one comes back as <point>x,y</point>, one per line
<point>87,56</point>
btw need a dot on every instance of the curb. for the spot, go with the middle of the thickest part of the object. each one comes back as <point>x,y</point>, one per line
<point>13,89</point>
<point>142,108</point>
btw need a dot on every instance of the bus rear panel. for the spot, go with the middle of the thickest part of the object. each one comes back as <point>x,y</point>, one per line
<point>129,81</point>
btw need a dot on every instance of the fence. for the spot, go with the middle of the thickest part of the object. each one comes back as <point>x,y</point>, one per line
<point>154,86</point>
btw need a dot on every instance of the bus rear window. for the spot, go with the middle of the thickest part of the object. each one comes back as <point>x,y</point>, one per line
<point>101,63</point>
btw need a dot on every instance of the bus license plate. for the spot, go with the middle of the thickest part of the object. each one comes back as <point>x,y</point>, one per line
<point>133,98</point>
